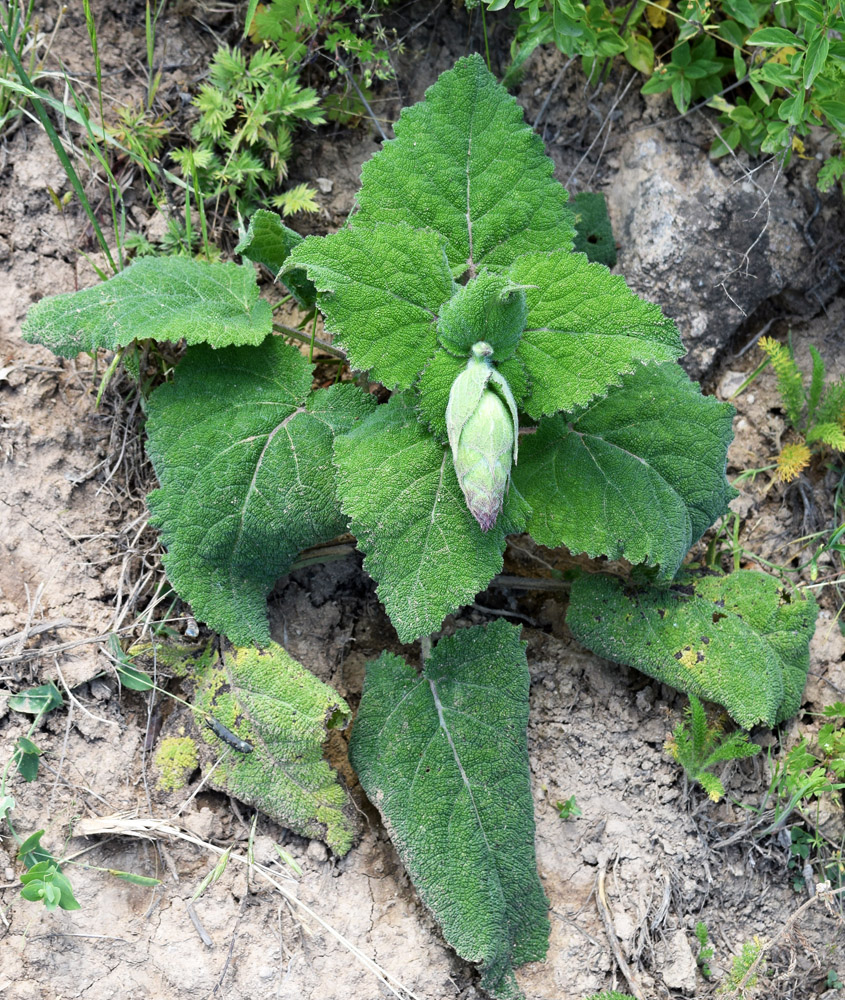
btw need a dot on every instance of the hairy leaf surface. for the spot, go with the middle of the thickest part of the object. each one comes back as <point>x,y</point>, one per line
<point>425,550</point>
<point>741,640</point>
<point>160,298</point>
<point>585,329</point>
<point>269,241</point>
<point>284,713</point>
<point>380,290</point>
<point>639,474</point>
<point>465,164</point>
<point>444,757</point>
<point>243,452</point>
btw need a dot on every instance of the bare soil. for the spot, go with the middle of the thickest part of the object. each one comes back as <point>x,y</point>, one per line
<point>78,562</point>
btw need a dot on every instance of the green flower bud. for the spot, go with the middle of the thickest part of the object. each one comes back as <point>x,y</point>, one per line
<point>482,429</point>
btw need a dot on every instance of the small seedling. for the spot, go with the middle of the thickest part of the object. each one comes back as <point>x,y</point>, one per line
<point>45,883</point>
<point>833,982</point>
<point>698,747</point>
<point>568,809</point>
<point>705,949</point>
<point>740,967</point>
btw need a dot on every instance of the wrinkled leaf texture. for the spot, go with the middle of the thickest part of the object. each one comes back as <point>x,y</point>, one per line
<point>638,474</point>
<point>268,242</point>
<point>444,757</point>
<point>741,641</point>
<point>422,545</point>
<point>269,699</point>
<point>243,452</point>
<point>160,298</point>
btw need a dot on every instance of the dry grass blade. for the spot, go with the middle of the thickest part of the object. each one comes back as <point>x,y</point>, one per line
<point>149,828</point>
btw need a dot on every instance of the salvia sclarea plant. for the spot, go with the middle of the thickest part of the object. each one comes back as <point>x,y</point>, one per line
<point>530,391</point>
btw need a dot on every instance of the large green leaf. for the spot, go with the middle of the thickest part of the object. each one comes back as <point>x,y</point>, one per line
<point>160,298</point>
<point>243,452</point>
<point>283,712</point>
<point>443,755</point>
<point>585,329</point>
<point>425,550</point>
<point>465,164</point>
<point>741,641</point>
<point>380,289</point>
<point>268,241</point>
<point>639,474</point>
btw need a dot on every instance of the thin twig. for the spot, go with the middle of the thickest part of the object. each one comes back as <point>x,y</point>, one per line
<point>28,633</point>
<point>552,89</point>
<point>607,118</point>
<point>607,920</point>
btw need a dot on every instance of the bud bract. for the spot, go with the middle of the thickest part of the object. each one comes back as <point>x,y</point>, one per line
<point>482,430</point>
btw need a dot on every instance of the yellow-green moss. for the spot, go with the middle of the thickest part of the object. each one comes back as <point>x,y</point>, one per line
<point>175,759</point>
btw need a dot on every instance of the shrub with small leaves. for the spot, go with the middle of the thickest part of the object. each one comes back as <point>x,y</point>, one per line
<point>772,71</point>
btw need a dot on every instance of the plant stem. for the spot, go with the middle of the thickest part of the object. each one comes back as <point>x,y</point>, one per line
<point>305,338</point>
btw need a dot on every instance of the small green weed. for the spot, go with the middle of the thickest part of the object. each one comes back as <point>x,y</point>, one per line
<point>807,775</point>
<point>816,412</point>
<point>335,29</point>
<point>250,106</point>
<point>740,967</point>
<point>833,982</point>
<point>569,809</point>
<point>705,949</point>
<point>44,880</point>
<point>698,747</point>
<point>243,136</point>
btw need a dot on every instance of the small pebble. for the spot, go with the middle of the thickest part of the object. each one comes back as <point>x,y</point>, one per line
<point>100,690</point>
<point>317,851</point>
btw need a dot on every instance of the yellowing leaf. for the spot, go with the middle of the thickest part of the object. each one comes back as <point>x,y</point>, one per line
<point>782,55</point>
<point>656,13</point>
<point>791,461</point>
